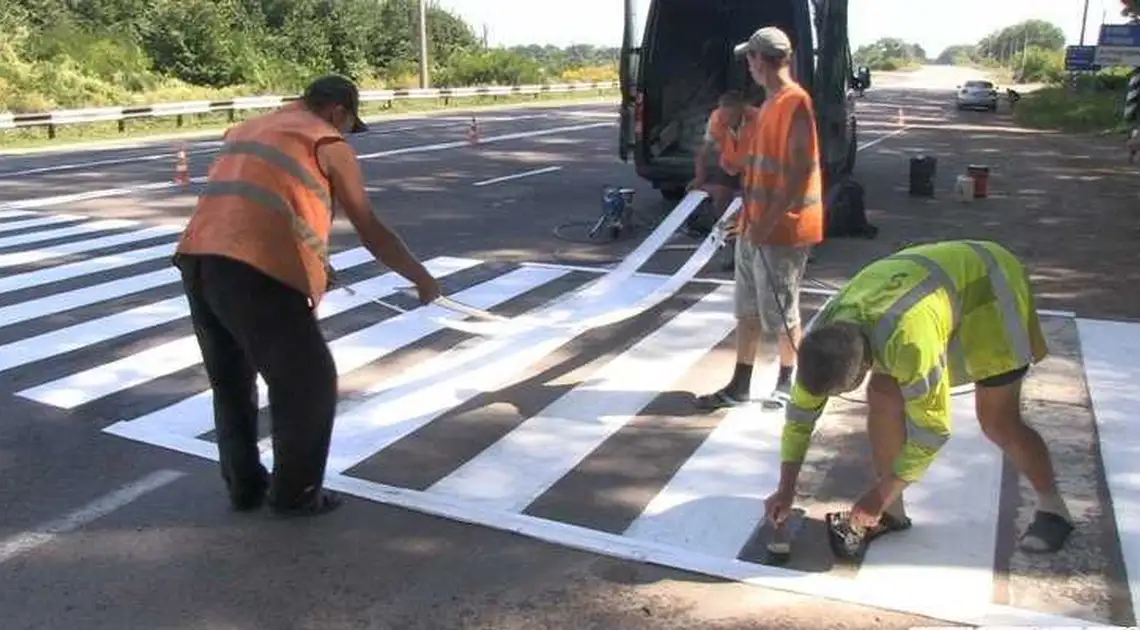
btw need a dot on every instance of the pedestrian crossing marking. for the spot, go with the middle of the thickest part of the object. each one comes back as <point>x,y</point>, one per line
<point>699,519</point>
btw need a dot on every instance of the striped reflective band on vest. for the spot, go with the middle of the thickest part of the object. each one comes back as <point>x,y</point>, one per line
<point>272,200</point>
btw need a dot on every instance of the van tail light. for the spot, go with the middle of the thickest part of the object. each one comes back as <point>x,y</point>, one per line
<point>639,113</point>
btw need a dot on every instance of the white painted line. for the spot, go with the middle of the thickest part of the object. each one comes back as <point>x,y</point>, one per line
<point>40,222</point>
<point>871,143</point>
<point>1110,352</point>
<point>416,397</point>
<point>192,416</point>
<point>50,531</point>
<point>167,358</point>
<point>75,166</point>
<point>82,228</point>
<point>62,340</point>
<point>954,508</point>
<point>59,302</point>
<point>77,247</point>
<point>518,468</point>
<point>15,214</point>
<point>507,178</point>
<point>44,202</point>
<point>84,267</point>
<point>714,502</point>
<point>458,144</point>
<point>57,200</point>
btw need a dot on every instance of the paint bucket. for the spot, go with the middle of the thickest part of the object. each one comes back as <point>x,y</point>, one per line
<point>922,171</point>
<point>964,188</point>
<point>981,175</point>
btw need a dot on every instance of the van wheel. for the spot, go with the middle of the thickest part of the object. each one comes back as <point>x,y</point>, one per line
<point>673,194</point>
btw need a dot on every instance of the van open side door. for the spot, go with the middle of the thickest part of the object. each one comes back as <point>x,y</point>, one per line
<point>627,76</point>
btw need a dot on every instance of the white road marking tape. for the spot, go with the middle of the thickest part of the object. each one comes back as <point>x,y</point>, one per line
<point>516,470</point>
<point>1109,351</point>
<point>47,532</point>
<point>12,226</point>
<point>507,178</point>
<point>73,230</point>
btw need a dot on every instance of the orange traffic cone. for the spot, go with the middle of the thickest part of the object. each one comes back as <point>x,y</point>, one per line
<point>473,132</point>
<point>182,167</point>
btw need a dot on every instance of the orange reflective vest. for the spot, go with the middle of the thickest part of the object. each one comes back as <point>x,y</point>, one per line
<point>763,155</point>
<point>266,202</point>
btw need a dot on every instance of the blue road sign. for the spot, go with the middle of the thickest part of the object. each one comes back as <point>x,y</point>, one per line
<point>1126,35</point>
<point>1081,58</point>
<point>1119,45</point>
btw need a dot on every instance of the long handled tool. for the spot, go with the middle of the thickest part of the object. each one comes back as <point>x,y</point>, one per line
<point>442,301</point>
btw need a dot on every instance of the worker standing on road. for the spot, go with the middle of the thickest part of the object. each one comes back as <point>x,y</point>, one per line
<point>778,155</point>
<point>728,118</point>
<point>923,320</point>
<point>254,263</point>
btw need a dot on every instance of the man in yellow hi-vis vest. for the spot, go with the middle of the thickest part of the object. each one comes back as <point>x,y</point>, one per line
<point>923,320</point>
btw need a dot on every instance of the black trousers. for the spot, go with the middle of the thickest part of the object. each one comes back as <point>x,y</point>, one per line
<point>248,323</point>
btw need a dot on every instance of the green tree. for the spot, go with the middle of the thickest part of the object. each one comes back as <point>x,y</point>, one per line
<point>957,55</point>
<point>1011,41</point>
<point>889,53</point>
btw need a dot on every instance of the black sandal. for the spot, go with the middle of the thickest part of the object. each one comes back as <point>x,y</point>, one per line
<point>718,400</point>
<point>849,542</point>
<point>1046,534</point>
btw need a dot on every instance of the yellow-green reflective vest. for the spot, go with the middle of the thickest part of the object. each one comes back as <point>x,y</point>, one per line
<point>937,316</point>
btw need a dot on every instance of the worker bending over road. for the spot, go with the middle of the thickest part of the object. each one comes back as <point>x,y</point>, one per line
<point>778,155</point>
<point>730,115</point>
<point>254,263</point>
<point>921,321</point>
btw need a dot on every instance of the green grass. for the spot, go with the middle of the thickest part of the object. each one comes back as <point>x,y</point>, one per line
<point>1061,109</point>
<point>142,128</point>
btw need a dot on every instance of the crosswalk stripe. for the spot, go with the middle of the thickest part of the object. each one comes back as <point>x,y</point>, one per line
<point>12,226</point>
<point>90,332</point>
<point>84,267</point>
<point>518,468</point>
<point>193,416</point>
<point>737,465</point>
<point>418,396</point>
<point>78,247</point>
<point>16,214</point>
<point>85,296</point>
<point>958,500</point>
<point>74,230</point>
<point>107,378</point>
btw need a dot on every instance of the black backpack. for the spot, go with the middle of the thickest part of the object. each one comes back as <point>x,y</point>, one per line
<point>846,214</point>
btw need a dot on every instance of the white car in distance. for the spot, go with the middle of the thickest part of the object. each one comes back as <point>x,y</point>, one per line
<point>977,95</point>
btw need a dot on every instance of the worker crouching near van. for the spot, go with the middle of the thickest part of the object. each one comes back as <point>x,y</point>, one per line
<point>731,114</point>
<point>921,321</point>
<point>777,154</point>
<point>254,263</point>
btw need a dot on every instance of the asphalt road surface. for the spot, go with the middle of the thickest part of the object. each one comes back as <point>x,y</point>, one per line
<point>547,479</point>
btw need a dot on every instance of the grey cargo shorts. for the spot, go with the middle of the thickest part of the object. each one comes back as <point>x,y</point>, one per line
<point>756,293</point>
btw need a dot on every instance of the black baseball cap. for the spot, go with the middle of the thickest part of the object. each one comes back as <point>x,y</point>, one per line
<point>336,90</point>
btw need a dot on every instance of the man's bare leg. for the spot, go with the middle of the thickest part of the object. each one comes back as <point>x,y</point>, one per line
<point>886,430</point>
<point>999,412</point>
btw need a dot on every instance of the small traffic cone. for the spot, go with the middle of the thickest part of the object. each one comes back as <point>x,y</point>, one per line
<point>182,167</point>
<point>473,132</point>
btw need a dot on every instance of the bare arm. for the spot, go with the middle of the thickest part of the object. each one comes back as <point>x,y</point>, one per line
<point>339,161</point>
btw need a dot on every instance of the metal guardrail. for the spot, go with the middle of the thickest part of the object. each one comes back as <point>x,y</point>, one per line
<point>121,114</point>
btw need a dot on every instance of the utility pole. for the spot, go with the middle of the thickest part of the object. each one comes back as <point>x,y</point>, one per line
<point>1084,21</point>
<point>423,45</point>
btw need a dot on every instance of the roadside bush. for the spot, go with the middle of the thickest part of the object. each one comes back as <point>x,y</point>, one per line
<point>1064,110</point>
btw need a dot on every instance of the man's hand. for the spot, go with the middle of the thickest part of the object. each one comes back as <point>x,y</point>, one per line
<point>778,506</point>
<point>868,509</point>
<point>428,289</point>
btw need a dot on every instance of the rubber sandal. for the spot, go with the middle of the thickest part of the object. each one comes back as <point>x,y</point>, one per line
<point>1046,534</point>
<point>778,399</point>
<point>717,400</point>
<point>849,542</point>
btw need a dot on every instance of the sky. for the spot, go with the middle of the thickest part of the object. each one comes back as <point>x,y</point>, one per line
<point>932,25</point>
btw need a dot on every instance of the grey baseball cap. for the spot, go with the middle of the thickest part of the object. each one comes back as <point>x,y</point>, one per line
<point>769,41</point>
